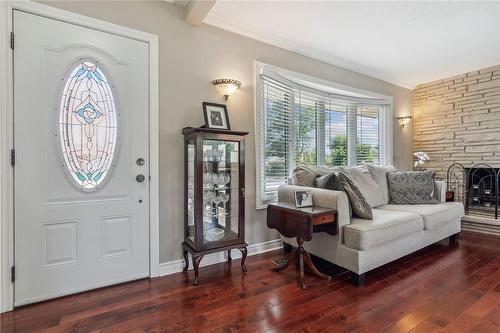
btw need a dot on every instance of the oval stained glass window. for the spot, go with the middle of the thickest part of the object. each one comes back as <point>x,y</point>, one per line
<point>87,126</point>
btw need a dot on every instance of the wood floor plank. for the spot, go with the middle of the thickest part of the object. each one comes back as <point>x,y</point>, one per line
<point>439,289</point>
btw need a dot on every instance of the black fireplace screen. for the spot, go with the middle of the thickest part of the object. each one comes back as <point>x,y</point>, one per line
<point>476,187</point>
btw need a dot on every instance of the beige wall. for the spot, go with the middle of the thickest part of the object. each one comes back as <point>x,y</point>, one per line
<point>457,119</point>
<point>190,58</point>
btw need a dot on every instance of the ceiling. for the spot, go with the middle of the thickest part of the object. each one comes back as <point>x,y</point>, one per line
<point>405,43</point>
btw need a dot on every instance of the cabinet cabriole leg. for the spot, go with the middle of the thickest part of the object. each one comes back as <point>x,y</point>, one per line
<point>196,266</point>
<point>244,253</point>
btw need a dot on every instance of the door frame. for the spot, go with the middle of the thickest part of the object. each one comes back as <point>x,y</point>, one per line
<point>7,129</point>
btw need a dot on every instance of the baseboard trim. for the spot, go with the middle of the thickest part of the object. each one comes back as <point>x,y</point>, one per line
<point>176,266</point>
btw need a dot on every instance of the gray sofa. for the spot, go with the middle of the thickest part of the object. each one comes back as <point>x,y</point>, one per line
<point>395,231</point>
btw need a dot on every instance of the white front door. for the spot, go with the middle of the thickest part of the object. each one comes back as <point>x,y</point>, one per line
<point>81,143</point>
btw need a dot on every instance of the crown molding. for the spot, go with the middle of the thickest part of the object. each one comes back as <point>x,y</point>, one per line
<point>229,24</point>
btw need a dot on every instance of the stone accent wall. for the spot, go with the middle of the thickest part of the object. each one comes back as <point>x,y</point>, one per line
<point>458,120</point>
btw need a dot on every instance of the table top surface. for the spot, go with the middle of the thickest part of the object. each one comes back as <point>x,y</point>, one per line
<point>305,210</point>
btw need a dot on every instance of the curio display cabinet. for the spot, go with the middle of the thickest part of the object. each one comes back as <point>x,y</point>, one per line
<point>214,194</point>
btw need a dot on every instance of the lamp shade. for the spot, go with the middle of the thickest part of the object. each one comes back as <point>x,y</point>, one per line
<point>404,120</point>
<point>226,87</point>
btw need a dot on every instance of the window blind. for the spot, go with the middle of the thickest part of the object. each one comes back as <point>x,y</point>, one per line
<point>368,138</point>
<point>336,115</point>
<point>307,108</point>
<point>275,121</point>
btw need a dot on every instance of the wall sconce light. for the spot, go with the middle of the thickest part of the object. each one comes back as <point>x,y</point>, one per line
<point>404,120</point>
<point>226,87</point>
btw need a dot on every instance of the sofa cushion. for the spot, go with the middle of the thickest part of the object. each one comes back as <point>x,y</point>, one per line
<point>360,206</point>
<point>304,175</point>
<point>411,187</point>
<point>364,181</point>
<point>385,227</point>
<point>433,215</point>
<point>304,178</point>
<point>379,175</point>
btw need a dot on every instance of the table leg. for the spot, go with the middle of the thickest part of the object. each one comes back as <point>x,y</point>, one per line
<point>301,251</point>
<point>313,269</point>
<point>229,259</point>
<point>301,263</point>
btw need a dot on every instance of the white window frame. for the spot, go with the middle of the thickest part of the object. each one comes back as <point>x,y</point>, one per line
<point>331,90</point>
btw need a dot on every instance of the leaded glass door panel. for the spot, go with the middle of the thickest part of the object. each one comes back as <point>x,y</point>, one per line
<point>81,126</point>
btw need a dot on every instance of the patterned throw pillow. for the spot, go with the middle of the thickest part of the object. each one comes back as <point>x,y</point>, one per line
<point>411,187</point>
<point>359,204</point>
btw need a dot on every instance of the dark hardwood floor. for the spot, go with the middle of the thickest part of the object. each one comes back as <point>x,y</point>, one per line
<point>439,289</point>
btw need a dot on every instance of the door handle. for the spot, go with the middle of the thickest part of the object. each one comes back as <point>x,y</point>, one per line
<point>140,178</point>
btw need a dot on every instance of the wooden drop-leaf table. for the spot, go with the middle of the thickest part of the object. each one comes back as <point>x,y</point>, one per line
<point>301,223</point>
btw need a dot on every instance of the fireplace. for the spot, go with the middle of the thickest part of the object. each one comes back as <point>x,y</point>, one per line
<point>477,187</point>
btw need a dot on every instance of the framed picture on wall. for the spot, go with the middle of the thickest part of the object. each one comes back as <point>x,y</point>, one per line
<point>216,116</point>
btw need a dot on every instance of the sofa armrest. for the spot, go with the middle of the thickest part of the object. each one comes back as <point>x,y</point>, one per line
<point>322,198</point>
<point>440,190</point>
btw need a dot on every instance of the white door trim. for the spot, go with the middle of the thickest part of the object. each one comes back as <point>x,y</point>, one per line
<point>6,132</point>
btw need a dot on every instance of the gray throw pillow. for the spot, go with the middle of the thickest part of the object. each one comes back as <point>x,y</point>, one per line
<point>331,182</point>
<point>411,187</point>
<point>359,204</point>
<point>326,182</point>
<point>365,183</point>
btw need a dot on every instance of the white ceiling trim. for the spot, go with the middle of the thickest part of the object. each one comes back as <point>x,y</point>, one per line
<point>227,23</point>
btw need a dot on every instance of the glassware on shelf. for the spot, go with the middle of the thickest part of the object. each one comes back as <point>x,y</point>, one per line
<point>217,199</point>
<point>475,187</point>
<point>212,154</point>
<point>212,178</point>
<point>208,197</point>
<point>208,180</point>
<point>487,192</point>
<point>224,197</point>
<point>217,180</point>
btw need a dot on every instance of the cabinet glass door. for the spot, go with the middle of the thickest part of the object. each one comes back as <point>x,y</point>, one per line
<point>220,190</point>
<point>191,152</point>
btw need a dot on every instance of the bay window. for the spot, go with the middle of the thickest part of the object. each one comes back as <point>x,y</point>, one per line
<point>301,122</point>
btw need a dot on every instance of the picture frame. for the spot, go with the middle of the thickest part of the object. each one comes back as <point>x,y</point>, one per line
<point>303,199</point>
<point>216,116</point>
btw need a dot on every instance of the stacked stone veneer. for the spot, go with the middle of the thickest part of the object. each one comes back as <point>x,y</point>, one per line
<point>458,120</point>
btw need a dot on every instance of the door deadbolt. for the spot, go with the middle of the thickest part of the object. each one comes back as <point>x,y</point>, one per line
<point>140,161</point>
<point>140,178</point>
